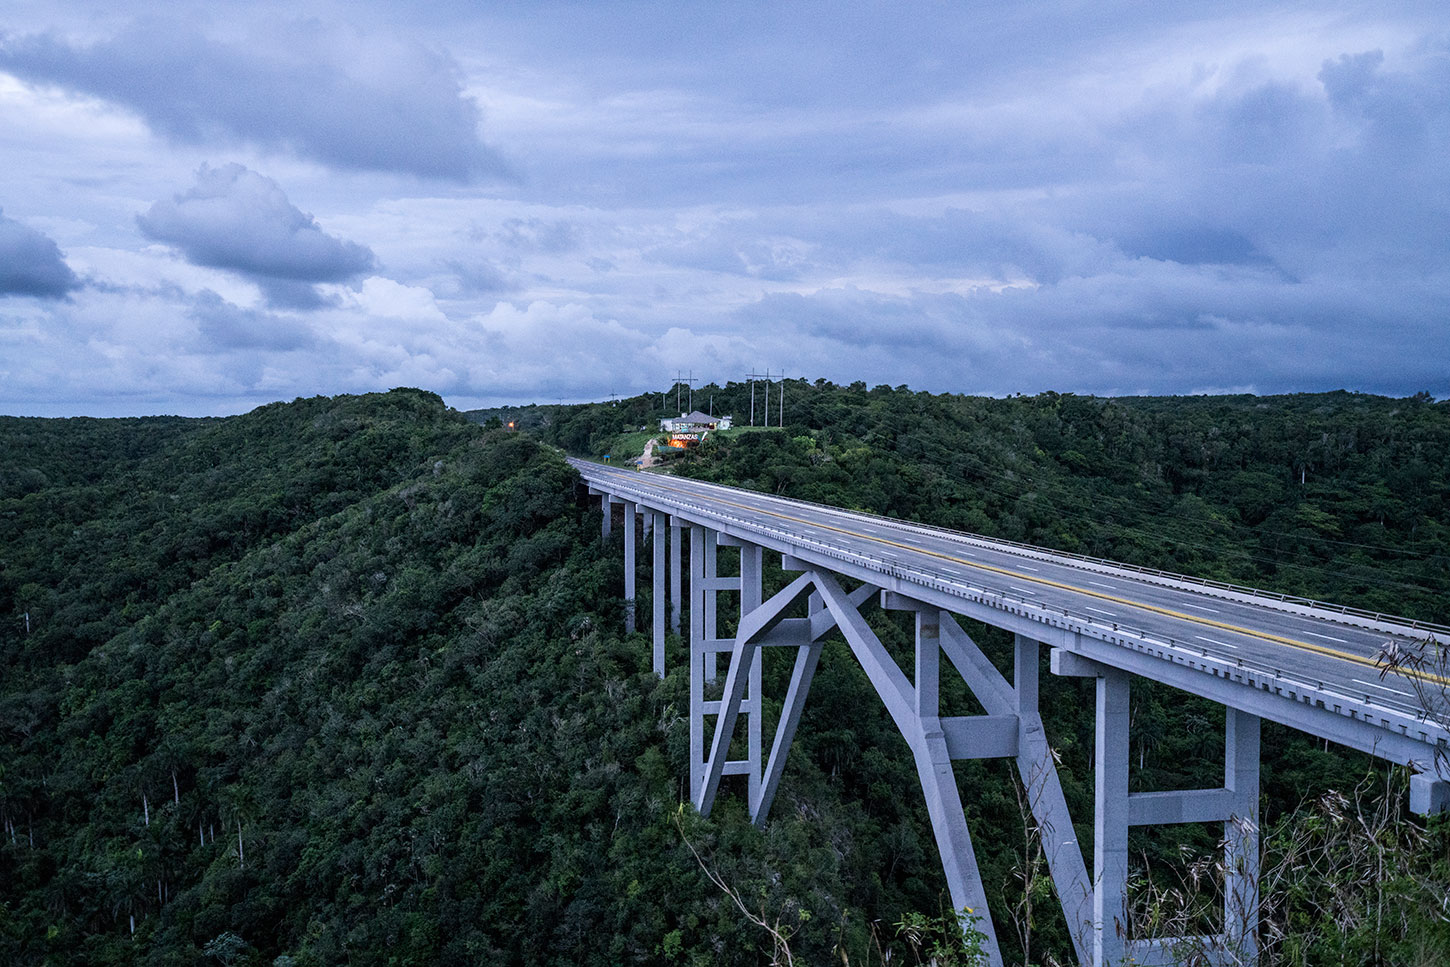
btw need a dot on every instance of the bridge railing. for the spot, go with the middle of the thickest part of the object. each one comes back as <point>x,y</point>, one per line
<point>1415,624</point>
<point>1105,629</point>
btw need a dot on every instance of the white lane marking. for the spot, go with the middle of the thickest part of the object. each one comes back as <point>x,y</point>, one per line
<point>1026,568</point>
<point>1102,585</point>
<point>1327,637</point>
<point>1020,590</point>
<point>1385,687</point>
<point>1215,641</point>
<point>1099,610</point>
<point>1199,607</point>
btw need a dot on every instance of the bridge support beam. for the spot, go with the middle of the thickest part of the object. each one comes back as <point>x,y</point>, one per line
<point>1110,806</point>
<point>657,595</point>
<point>926,736</point>
<point>1236,805</point>
<point>803,634</point>
<point>712,566</point>
<point>1038,770</point>
<point>677,529</point>
<point>697,661</point>
<point>1241,836</point>
<point>1110,819</point>
<point>606,507</point>
<point>629,566</point>
<point>935,741</point>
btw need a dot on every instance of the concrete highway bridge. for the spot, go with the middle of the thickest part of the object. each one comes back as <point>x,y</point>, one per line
<point>1304,664</point>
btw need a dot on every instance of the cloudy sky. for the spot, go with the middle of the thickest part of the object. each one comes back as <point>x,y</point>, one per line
<point>205,207</point>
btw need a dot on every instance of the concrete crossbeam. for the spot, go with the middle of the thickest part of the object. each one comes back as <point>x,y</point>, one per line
<point>713,707</point>
<point>980,736</point>
<point>722,584</point>
<point>1185,806</point>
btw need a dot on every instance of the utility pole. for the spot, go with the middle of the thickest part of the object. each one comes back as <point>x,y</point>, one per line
<point>682,379</point>
<point>780,407</point>
<point>753,377</point>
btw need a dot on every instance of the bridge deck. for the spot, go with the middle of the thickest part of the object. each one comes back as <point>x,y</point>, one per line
<point>1323,656</point>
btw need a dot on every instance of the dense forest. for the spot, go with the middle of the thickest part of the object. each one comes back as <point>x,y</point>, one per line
<point>345,681</point>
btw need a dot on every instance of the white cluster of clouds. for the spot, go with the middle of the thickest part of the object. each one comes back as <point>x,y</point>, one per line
<point>207,211</point>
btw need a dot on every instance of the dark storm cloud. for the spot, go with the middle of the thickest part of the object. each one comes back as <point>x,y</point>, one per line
<point>344,101</point>
<point>735,251</point>
<point>536,234</point>
<point>30,263</point>
<point>236,219</point>
<point>1194,245</point>
<point>477,277</point>
<point>1150,327</point>
<point>224,326</point>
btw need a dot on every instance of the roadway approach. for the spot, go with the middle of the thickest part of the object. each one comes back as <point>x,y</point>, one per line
<point>1308,665</point>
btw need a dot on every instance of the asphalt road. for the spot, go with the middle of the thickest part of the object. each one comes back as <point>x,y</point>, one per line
<point>1320,646</point>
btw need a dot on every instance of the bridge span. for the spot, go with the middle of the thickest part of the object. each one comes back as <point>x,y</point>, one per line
<point>1304,664</point>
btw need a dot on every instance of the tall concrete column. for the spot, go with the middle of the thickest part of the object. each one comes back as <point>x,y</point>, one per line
<point>1241,835</point>
<point>676,542</point>
<point>1110,820</point>
<point>629,568</point>
<point>928,663</point>
<point>711,570</point>
<point>657,595</point>
<point>751,575</point>
<point>697,661</point>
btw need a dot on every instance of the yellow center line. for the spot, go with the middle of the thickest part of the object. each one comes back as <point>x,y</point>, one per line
<point>1167,612</point>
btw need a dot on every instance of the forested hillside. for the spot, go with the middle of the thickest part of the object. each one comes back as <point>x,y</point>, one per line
<point>340,681</point>
<point>344,680</point>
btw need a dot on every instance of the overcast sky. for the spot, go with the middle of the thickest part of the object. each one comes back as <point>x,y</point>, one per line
<point>205,207</point>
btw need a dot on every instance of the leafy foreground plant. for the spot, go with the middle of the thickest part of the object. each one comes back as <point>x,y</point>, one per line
<point>1347,880</point>
<point>944,941</point>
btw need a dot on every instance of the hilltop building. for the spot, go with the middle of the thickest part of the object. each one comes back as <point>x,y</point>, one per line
<point>688,429</point>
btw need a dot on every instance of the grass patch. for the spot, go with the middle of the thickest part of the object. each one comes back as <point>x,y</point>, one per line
<point>627,447</point>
